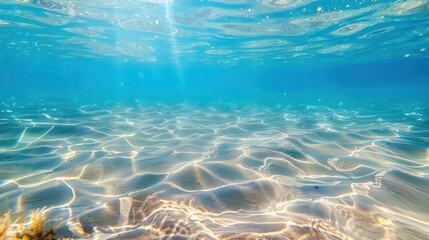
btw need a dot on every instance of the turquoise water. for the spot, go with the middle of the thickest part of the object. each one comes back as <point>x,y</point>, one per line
<point>153,119</point>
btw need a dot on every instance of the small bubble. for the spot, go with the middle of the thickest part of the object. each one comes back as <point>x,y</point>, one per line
<point>71,12</point>
<point>267,17</point>
<point>406,55</point>
<point>156,22</point>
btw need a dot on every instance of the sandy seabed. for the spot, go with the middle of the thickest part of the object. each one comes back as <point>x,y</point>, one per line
<point>184,171</point>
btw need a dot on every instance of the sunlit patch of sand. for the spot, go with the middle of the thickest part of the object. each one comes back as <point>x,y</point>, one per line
<point>248,172</point>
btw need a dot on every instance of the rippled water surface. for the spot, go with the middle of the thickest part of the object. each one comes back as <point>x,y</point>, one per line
<point>128,171</point>
<point>258,32</point>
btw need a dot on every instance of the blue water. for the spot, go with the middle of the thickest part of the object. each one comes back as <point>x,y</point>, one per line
<point>269,119</point>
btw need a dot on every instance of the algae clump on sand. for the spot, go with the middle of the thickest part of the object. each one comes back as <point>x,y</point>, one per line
<point>33,230</point>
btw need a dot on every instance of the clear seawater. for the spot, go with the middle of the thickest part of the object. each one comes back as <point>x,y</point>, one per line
<point>174,119</point>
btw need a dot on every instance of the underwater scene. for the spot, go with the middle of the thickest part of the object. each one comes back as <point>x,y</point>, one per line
<point>214,119</point>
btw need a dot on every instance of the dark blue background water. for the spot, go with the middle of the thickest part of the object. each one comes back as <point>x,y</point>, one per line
<point>396,80</point>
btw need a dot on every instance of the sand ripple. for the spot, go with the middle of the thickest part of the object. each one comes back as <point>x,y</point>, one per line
<point>230,172</point>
